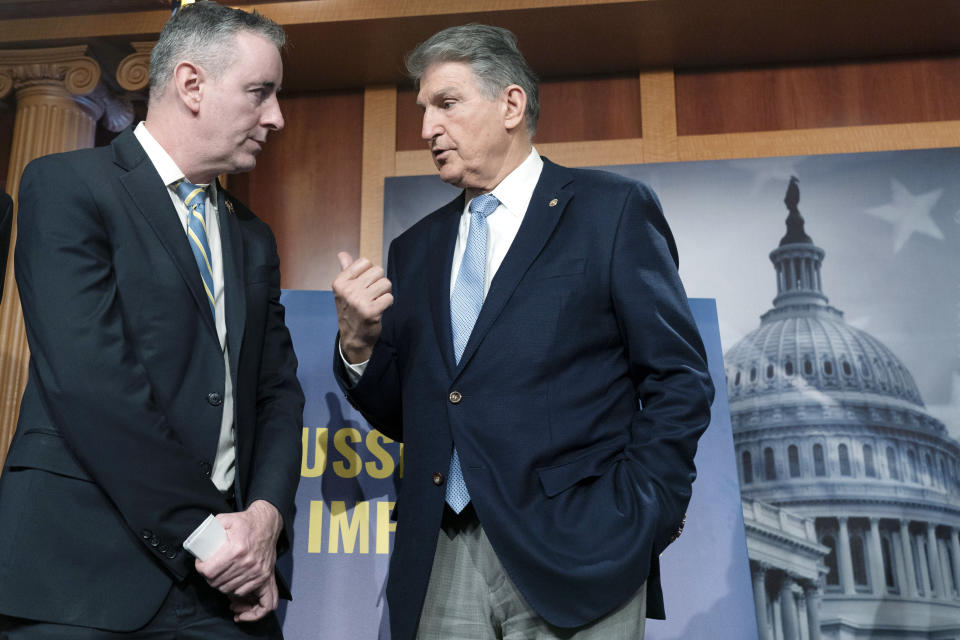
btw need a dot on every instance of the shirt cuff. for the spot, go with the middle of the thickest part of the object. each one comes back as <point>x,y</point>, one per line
<point>354,371</point>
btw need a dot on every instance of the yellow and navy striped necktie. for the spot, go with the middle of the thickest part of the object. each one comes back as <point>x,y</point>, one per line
<point>195,199</point>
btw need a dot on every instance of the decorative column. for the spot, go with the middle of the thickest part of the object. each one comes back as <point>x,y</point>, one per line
<point>59,100</point>
<point>877,572</point>
<point>813,610</point>
<point>955,547</point>
<point>843,557</point>
<point>788,608</point>
<point>900,568</point>
<point>759,575</point>
<point>910,588</point>
<point>933,560</point>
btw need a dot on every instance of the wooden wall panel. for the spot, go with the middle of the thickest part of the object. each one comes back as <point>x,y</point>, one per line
<point>589,109</point>
<point>814,96</point>
<point>571,110</point>
<point>306,186</point>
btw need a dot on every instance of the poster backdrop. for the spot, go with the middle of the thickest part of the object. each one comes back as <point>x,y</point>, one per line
<point>343,533</point>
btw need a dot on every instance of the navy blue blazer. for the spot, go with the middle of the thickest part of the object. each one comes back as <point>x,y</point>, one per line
<point>6,221</point>
<point>109,469</point>
<point>580,397</point>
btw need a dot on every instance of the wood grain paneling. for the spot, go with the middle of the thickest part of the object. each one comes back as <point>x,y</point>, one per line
<point>307,186</point>
<point>815,96</point>
<point>580,109</point>
<point>589,109</point>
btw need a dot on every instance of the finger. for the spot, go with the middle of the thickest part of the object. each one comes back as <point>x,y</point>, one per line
<point>345,260</point>
<point>379,287</point>
<point>253,614</point>
<point>370,276</point>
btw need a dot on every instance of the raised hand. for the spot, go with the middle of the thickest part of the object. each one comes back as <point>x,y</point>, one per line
<point>362,294</point>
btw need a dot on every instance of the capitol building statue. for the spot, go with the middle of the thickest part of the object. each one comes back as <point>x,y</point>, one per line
<point>851,489</point>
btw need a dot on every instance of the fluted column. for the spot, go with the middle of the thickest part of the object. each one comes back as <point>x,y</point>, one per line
<point>813,610</point>
<point>788,606</point>
<point>910,588</point>
<point>759,575</point>
<point>933,560</point>
<point>49,86</point>
<point>843,558</point>
<point>878,574</point>
<point>955,548</point>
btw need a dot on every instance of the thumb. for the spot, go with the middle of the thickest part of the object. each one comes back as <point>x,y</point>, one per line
<point>345,259</point>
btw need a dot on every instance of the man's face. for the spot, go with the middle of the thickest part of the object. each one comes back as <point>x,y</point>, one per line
<point>240,107</point>
<point>464,129</point>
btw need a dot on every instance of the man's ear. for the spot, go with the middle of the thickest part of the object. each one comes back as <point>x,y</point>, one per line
<point>188,79</point>
<point>514,106</point>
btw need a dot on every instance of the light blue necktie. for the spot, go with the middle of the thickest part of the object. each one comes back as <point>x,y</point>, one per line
<point>465,304</point>
<point>195,199</point>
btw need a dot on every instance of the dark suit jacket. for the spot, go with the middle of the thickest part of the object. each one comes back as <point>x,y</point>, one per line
<point>109,469</point>
<point>578,488</point>
<point>6,221</point>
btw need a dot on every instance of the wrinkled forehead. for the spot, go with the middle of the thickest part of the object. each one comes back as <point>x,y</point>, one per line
<point>442,78</point>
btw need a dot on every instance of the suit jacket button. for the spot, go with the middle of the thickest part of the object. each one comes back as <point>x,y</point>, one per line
<point>205,468</point>
<point>147,534</point>
<point>215,399</point>
<point>455,397</point>
<point>154,542</point>
<point>437,478</point>
<point>164,549</point>
<point>171,555</point>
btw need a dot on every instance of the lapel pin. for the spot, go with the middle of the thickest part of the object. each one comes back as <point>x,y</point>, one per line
<point>553,202</point>
<point>229,205</point>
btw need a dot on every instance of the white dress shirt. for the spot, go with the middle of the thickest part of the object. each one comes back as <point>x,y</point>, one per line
<point>223,471</point>
<point>514,193</point>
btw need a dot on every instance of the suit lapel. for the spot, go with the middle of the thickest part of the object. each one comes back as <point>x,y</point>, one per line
<point>233,285</point>
<point>537,227</point>
<point>443,235</point>
<point>152,199</point>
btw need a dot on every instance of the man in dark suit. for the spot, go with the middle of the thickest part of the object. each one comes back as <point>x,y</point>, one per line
<point>540,364</point>
<point>6,221</point>
<point>162,415</point>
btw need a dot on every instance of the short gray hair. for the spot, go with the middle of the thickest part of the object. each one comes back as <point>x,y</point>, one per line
<point>493,55</point>
<point>203,33</point>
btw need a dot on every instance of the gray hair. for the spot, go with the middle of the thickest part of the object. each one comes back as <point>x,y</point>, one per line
<point>203,33</point>
<point>493,55</point>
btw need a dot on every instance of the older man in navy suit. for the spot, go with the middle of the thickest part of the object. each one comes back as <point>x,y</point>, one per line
<point>532,346</point>
<point>151,480</point>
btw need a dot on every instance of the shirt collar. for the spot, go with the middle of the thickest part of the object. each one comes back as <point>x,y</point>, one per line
<point>169,172</point>
<point>515,191</point>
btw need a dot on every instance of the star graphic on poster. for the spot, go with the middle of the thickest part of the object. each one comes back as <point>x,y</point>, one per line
<point>909,214</point>
<point>776,169</point>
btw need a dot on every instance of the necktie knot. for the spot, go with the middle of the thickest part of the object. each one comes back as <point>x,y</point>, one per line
<point>483,205</point>
<point>191,194</point>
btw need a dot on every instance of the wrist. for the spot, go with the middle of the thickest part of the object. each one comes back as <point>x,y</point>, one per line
<point>269,514</point>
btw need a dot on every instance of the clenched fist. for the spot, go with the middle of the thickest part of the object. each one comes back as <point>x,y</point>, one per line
<point>362,294</point>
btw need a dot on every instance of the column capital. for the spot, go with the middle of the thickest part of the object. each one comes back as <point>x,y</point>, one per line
<point>133,72</point>
<point>68,66</point>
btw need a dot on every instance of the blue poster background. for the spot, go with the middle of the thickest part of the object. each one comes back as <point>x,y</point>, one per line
<point>342,532</point>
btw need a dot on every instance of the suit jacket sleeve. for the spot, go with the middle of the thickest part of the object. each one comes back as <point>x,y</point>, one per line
<point>6,221</point>
<point>95,390</point>
<point>667,363</point>
<point>275,471</point>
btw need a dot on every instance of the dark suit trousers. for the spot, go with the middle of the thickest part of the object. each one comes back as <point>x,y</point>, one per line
<point>191,611</point>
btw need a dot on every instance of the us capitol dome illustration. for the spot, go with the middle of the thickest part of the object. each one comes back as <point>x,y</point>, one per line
<point>851,492</point>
